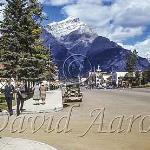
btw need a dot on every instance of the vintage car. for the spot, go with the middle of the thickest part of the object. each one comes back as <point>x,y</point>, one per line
<point>72,93</point>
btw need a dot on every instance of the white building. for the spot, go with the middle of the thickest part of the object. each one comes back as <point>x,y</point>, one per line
<point>100,76</point>
<point>117,75</point>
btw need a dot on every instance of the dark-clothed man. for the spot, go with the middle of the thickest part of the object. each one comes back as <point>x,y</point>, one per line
<point>8,91</point>
<point>21,89</point>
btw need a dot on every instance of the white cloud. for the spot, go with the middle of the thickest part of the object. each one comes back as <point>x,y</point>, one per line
<point>56,2</point>
<point>122,33</point>
<point>127,18</point>
<point>91,13</point>
<point>143,47</point>
<point>120,21</point>
<point>131,13</point>
<point>1,10</point>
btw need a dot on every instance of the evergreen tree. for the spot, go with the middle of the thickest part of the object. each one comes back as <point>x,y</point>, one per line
<point>146,75</point>
<point>23,53</point>
<point>131,61</point>
<point>51,73</point>
<point>131,66</point>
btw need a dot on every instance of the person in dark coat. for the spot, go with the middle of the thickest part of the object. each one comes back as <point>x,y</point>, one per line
<point>8,91</point>
<point>21,90</point>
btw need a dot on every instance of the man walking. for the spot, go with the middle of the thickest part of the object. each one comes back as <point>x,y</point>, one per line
<point>20,97</point>
<point>8,91</point>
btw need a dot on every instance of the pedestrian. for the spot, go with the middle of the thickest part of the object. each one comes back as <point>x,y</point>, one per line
<point>36,95</point>
<point>43,92</point>
<point>8,91</point>
<point>92,85</point>
<point>21,96</point>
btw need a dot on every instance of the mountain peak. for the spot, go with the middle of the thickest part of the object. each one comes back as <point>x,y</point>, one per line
<point>72,37</point>
<point>67,20</point>
<point>64,27</point>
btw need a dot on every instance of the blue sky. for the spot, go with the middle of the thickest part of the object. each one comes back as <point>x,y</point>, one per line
<point>53,13</point>
<point>126,22</point>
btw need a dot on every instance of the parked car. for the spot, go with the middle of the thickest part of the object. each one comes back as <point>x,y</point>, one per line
<point>72,93</point>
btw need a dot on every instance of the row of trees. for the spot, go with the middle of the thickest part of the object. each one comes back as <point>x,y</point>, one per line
<point>134,76</point>
<point>23,55</point>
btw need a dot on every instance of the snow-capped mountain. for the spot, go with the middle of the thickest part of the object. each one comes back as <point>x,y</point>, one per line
<point>75,45</point>
<point>62,28</point>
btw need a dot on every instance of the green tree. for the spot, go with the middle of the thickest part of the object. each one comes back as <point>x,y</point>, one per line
<point>131,61</point>
<point>146,76</point>
<point>23,53</point>
<point>131,66</point>
<point>138,78</point>
<point>51,73</point>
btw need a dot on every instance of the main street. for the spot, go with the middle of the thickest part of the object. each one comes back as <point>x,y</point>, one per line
<point>125,104</point>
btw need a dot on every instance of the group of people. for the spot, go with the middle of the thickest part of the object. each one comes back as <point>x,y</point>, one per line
<point>39,93</point>
<point>20,90</point>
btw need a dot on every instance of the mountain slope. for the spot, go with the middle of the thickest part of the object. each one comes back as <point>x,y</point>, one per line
<point>115,59</point>
<point>78,49</point>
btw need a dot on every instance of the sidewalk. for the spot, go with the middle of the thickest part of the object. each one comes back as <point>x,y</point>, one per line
<point>8,143</point>
<point>53,103</point>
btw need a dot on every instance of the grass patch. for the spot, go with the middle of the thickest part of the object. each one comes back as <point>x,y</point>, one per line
<point>3,106</point>
<point>2,98</point>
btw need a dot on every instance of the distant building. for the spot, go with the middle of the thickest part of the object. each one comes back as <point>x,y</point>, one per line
<point>99,77</point>
<point>117,75</point>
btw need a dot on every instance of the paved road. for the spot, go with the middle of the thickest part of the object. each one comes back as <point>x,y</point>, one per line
<point>118,102</point>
